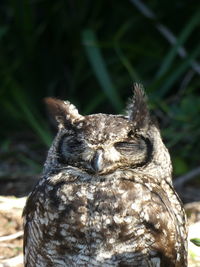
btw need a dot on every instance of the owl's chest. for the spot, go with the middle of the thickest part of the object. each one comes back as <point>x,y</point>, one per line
<point>98,211</point>
<point>105,218</point>
<point>95,203</point>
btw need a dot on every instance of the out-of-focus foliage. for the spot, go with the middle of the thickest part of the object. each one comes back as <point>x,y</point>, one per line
<point>91,52</point>
<point>196,241</point>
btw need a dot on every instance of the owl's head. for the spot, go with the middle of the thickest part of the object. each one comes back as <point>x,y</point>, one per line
<point>101,143</point>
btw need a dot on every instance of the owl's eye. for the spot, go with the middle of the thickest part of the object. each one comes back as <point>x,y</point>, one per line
<point>125,145</point>
<point>73,145</point>
<point>131,147</point>
<point>69,146</point>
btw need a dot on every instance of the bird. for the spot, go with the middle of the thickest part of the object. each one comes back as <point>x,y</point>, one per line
<point>105,196</point>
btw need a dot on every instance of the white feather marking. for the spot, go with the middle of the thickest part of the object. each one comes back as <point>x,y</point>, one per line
<point>112,154</point>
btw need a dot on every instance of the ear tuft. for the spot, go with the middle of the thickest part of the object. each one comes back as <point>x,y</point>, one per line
<point>137,109</point>
<point>63,111</point>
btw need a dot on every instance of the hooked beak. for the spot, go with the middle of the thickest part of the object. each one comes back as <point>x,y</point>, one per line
<point>97,161</point>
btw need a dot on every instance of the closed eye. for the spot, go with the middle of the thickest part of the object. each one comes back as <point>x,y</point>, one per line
<point>74,145</point>
<point>125,145</point>
<point>70,146</point>
<point>130,147</point>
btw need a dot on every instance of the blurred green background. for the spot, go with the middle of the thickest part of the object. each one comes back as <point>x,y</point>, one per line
<point>91,53</point>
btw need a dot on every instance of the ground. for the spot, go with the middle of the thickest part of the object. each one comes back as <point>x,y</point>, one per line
<point>11,234</point>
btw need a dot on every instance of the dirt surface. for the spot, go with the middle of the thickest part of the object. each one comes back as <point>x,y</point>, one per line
<point>11,234</point>
<point>9,225</point>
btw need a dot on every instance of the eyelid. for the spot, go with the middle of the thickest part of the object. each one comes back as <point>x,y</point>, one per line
<point>126,148</point>
<point>123,144</point>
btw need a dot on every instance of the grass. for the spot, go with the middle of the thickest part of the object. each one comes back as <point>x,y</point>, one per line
<point>91,54</point>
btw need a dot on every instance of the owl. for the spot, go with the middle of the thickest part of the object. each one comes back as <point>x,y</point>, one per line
<point>105,197</point>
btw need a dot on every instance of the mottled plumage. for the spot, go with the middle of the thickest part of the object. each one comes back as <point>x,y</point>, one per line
<point>105,197</point>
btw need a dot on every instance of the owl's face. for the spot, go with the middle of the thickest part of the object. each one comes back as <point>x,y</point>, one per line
<point>103,143</point>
